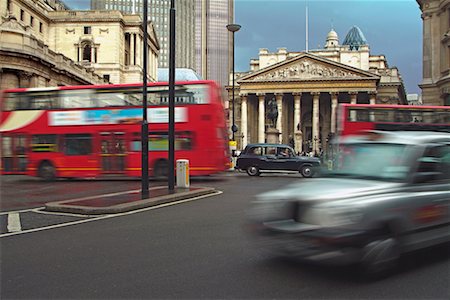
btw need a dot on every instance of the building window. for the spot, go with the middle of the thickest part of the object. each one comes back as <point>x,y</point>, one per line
<point>87,53</point>
<point>31,21</point>
<point>87,29</point>
<point>22,15</point>
<point>106,77</point>
<point>41,27</point>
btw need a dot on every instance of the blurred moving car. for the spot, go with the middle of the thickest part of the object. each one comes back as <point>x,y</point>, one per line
<point>389,193</point>
<point>257,158</point>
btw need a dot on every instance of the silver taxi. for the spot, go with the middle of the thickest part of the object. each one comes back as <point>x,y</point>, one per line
<point>389,193</point>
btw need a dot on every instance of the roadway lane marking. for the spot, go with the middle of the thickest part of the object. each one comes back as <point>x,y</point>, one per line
<point>110,215</point>
<point>14,222</point>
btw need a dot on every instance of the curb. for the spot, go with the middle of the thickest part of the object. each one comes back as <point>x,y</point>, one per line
<point>66,206</point>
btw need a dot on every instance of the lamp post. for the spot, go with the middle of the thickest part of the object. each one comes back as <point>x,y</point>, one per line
<point>315,144</point>
<point>233,28</point>
<point>144,128</point>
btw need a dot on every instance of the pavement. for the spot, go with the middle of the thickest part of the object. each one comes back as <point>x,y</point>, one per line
<point>125,201</point>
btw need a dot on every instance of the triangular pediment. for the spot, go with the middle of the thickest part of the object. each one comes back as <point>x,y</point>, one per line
<point>307,67</point>
<point>153,36</point>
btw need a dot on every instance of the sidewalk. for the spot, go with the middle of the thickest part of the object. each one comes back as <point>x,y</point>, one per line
<point>126,201</point>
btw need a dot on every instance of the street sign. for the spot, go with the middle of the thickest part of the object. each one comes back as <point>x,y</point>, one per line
<point>233,145</point>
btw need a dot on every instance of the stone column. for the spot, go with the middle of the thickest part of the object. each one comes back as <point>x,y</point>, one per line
<point>132,54</point>
<point>279,98</point>
<point>261,118</point>
<point>244,130</point>
<point>315,122</point>
<point>24,79</point>
<point>334,104</point>
<point>353,100</point>
<point>137,50</point>
<point>92,53</point>
<point>297,122</point>
<point>372,101</point>
<point>34,80</point>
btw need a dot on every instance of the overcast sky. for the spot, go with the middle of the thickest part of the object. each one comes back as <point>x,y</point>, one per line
<point>391,27</point>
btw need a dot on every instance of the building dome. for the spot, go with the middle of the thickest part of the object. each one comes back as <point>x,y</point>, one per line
<point>332,35</point>
<point>355,38</point>
<point>332,40</point>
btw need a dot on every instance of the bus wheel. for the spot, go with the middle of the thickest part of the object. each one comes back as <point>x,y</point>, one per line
<point>161,169</point>
<point>47,171</point>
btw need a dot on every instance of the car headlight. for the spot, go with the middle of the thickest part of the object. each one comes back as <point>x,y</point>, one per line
<point>331,216</point>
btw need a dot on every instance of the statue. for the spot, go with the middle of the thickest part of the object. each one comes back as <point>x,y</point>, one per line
<point>272,111</point>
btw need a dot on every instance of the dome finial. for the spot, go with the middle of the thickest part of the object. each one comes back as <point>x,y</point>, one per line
<point>355,38</point>
<point>332,40</point>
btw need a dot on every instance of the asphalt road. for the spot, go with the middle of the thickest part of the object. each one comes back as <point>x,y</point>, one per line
<point>194,250</point>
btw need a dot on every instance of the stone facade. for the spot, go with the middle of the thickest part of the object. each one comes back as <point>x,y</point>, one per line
<point>436,52</point>
<point>44,44</point>
<point>26,60</point>
<point>307,88</point>
<point>106,41</point>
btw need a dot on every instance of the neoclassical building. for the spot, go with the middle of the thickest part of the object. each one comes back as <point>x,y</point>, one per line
<point>26,60</point>
<point>436,51</point>
<point>307,88</point>
<point>109,42</point>
<point>42,43</point>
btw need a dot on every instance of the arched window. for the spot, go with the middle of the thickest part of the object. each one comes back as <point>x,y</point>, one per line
<point>87,53</point>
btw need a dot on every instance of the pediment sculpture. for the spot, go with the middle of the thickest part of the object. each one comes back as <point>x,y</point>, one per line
<point>306,69</point>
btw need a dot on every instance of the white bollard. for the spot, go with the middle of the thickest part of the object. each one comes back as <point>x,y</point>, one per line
<point>182,173</point>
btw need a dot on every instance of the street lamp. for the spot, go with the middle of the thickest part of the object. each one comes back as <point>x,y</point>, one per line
<point>233,28</point>
<point>144,129</point>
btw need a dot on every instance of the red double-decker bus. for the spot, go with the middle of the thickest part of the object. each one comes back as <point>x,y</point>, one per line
<point>356,118</point>
<point>91,131</point>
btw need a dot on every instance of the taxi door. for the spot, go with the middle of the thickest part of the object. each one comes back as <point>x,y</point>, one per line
<point>430,216</point>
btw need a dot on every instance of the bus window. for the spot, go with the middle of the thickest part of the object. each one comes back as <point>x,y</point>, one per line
<point>77,98</point>
<point>7,155</point>
<point>9,101</point>
<point>77,144</point>
<point>44,143</point>
<point>159,141</point>
<point>42,101</point>
<point>183,141</point>
<point>117,98</point>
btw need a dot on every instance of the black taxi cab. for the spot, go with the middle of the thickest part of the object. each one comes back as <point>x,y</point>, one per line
<point>258,158</point>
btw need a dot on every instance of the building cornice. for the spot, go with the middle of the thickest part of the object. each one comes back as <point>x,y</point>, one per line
<point>35,8</point>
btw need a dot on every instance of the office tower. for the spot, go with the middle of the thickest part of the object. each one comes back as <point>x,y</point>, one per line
<point>159,13</point>
<point>212,42</point>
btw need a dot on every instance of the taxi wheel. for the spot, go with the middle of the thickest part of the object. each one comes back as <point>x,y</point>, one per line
<point>253,171</point>
<point>307,171</point>
<point>47,171</point>
<point>380,257</point>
